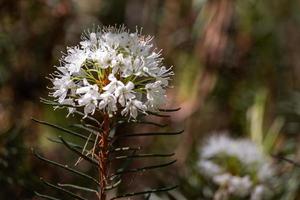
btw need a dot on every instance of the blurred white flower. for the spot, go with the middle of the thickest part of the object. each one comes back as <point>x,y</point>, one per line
<point>240,186</point>
<point>237,166</point>
<point>258,192</point>
<point>244,149</point>
<point>210,168</point>
<point>112,69</point>
<point>222,179</point>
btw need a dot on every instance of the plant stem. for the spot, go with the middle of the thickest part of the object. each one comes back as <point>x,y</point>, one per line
<point>103,156</point>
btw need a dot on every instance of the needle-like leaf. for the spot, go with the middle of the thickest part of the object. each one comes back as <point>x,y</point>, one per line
<point>151,134</point>
<point>77,187</point>
<point>142,156</point>
<point>46,196</point>
<point>70,143</point>
<point>143,169</point>
<point>157,114</point>
<point>169,110</point>
<point>165,189</point>
<point>64,130</point>
<point>75,196</point>
<point>66,167</point>
<point>79,153</point>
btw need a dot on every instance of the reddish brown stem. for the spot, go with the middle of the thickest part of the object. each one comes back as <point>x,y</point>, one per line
<point>103,156</point>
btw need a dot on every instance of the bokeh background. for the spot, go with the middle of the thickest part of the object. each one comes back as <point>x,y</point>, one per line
<point>237,65</point>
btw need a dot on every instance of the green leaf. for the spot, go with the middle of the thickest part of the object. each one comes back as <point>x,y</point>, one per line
<point>75,196</point>
<point>79,153</point>
<point>66,167</point>
<point>46,196</point>
<point>142,156</point>
<point>165,189</point>
<point>64,130</point>
<point>151,134</point>
<point>77,187</point>
<point>122,171</point>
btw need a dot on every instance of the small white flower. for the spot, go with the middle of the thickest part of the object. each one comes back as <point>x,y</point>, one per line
<point>113,85</point>
<point>128,67</point>
<point>132,107</point>
<point>108,103</point>
<point>163,75</point>
<point>154,91</point>
<point>90,108</point>
<point>125,93</point>
<point>89,42</point>
<point>102,57</point>
<point>71,103</point>
<point>74,60</point>
<point>62,85</point>
<point>89,97</point>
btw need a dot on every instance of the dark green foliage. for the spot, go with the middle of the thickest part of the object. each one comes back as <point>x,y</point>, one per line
<point>87,133</point>
<point>15,170</point>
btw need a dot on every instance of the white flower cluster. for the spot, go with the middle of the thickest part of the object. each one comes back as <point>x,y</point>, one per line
<point>112,70</point>
<point>238,167</point>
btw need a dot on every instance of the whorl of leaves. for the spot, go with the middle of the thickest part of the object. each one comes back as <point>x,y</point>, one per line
<point>84,144</point>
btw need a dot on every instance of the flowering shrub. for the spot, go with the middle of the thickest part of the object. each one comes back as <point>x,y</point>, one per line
<point>238,168</point>
<point>112,70</point>
<point>113,73</point>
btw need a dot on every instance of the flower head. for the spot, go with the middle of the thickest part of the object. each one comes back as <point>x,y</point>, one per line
<point>112,70</point>
<point>238,167</point>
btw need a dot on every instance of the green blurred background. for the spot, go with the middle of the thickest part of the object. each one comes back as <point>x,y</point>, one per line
<point>237,65</point>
